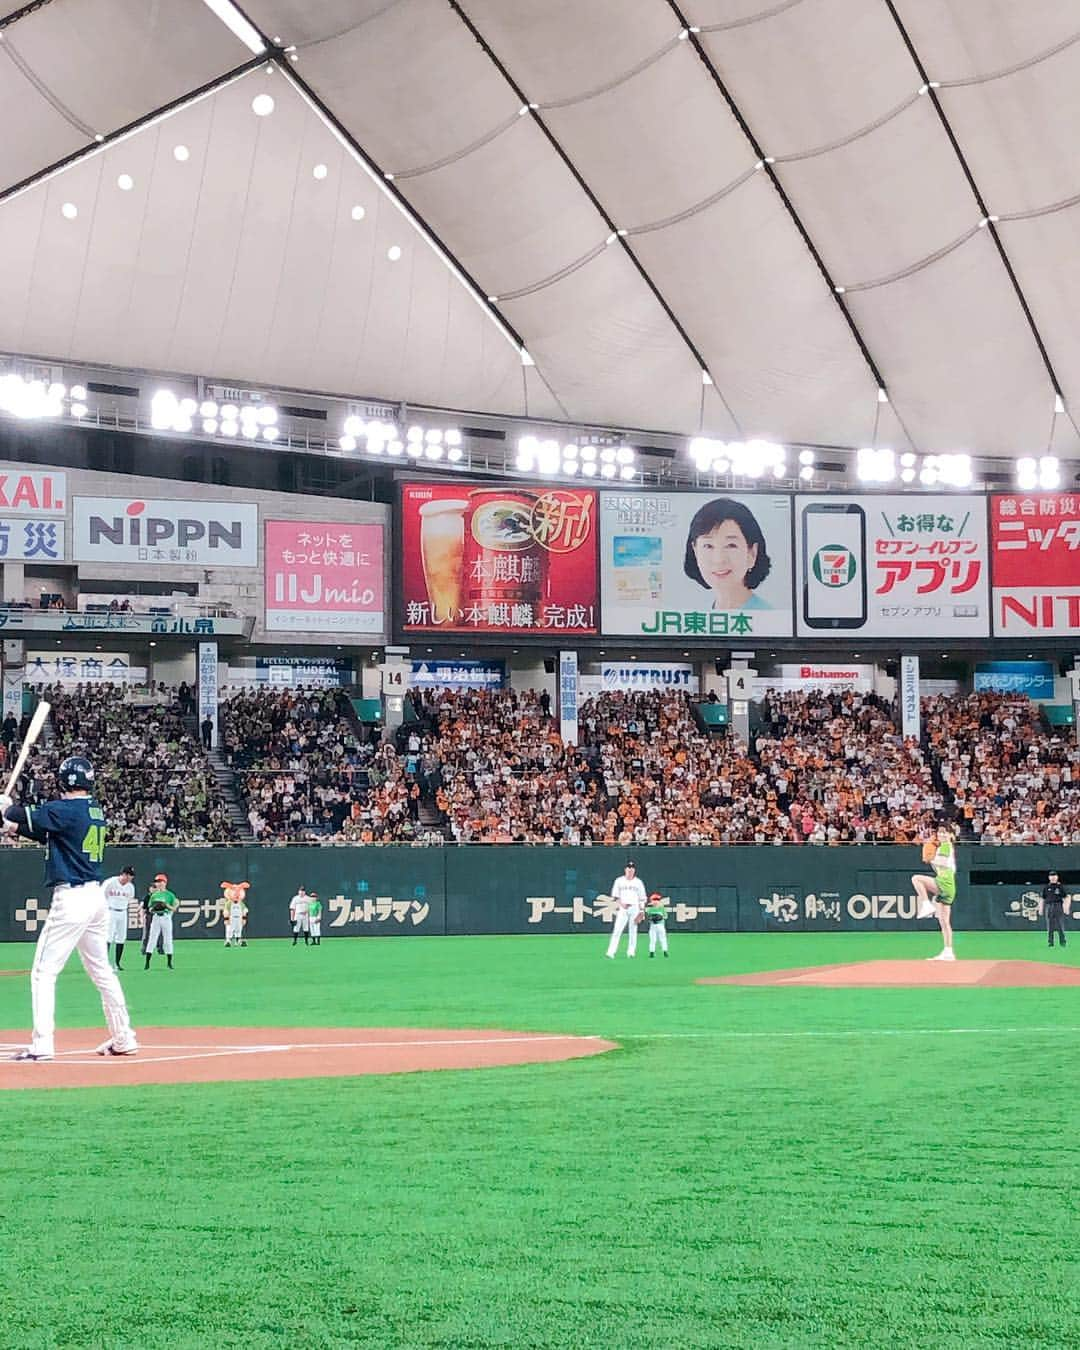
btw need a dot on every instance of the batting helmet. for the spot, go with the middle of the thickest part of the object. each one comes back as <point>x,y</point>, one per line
<point>76,773</point>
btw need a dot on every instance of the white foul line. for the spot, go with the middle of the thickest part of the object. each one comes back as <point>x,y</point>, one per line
<point>862,1031</point>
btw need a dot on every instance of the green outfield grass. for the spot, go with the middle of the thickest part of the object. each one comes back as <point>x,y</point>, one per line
<point>755,1167</point>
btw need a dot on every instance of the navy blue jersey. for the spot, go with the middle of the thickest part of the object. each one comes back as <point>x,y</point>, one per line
<point>73,832</point>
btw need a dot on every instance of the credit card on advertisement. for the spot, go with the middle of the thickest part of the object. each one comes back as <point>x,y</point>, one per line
<point>638,561</point>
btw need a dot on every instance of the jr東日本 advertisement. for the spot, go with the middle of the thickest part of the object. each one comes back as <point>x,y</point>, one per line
<point>498,559</point>
<point>324,577</point>
<point>1035,540</point>
<point>138,530</point>
<point>696,565</point>
<point>892,566</point>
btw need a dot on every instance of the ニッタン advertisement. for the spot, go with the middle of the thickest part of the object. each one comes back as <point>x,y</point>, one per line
<point>1036,550</point>
<point>892,566</point>
<point>695,565</point>
<point>165,533</point>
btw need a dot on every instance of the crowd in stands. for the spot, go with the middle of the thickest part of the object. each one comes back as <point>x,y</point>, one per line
<point>150,770</point>
<point>1012,779</point>
<point>309,773</point>
<point>490,767</point>
<point>840,772</point>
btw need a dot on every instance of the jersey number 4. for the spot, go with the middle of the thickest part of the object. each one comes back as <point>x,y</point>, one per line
<point>93,844</point>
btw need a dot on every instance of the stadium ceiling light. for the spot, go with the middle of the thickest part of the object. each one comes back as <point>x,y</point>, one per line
<point>627,472</point>
<point>69,210</point>
<point>454,453</point>
<point>570,467</point>
<point>907,475</point>
<point>270,433</point>
<point>230,426</point>
<point>78,391</point>
<point>353,425</point>
<point>237,24</point>
<point>358,213</point>
<point>347,443</point>
<point>319,172</point>
<point>262,105</point>
<point>125,182</point>
<point>414,449</point>
<point>806,472</point>
<point>875,465</point>
<point>78,410</point>
<point>208,408</point>
<point>395,447</point>
<point>394,252</point>
<point>1049,472</point>
<point>955,470</point>
<point>588,469</point>
<point>1027,474</point>
<point>181,154</point>
<point>807,458</point>
<point>249,430</point>
<point>210,426</point>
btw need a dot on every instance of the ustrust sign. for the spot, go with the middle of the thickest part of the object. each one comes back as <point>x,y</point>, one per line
<point>119,530</point>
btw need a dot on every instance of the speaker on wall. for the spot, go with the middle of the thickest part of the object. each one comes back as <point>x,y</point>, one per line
<point>549,665</point>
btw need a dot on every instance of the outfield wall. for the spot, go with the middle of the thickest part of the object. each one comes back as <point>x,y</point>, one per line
<point>375,892</point>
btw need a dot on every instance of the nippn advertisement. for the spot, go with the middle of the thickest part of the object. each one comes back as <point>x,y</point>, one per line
<point>498,559</point>
<point>695,564</point>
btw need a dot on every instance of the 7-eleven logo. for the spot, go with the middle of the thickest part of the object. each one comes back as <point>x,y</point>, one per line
<point>834,565</point>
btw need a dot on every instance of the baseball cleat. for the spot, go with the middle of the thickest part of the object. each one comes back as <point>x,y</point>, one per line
<point>29,1055</point>
<point>111,1048</point>
<point>946,955</point>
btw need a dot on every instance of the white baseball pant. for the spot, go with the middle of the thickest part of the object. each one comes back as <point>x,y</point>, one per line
<point>315,925</point>
<point>658,933</point>
<point>160,925</point>
<point>118,924</point>
<point>623,918</point>
<point>235,931</point>
<point>301,924</point>
<point>78,919</point>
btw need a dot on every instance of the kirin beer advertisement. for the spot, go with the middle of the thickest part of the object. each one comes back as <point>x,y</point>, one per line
<point>498,559</point>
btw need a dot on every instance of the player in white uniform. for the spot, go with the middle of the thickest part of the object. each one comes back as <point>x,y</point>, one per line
<point>299,907</point>
<point>234,923</point>
<point>119,894</point>
<point>628,892</point>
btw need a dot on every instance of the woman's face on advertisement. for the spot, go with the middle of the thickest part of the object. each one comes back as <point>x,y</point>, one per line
<point>723,556</point>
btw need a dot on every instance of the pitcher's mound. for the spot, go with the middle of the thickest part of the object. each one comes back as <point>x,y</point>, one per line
<point>908,974</point>
<point>228,1054</point>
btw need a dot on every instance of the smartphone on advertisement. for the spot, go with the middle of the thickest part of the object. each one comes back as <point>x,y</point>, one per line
<point>834,565</point>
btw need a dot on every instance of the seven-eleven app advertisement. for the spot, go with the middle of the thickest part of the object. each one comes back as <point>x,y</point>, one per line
<point>883,566</point>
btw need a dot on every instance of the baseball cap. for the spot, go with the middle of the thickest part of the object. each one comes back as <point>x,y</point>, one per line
<point>161,877</point>
<point>129,869</point>
<point>656,896</point>
<point>630,863</point>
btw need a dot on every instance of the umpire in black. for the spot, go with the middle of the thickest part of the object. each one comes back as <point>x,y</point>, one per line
<point>1053,906</point>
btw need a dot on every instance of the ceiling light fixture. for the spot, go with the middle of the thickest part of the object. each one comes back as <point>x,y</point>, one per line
<point>181,154</point>
<point>262,105</point>
<point>237,24</point>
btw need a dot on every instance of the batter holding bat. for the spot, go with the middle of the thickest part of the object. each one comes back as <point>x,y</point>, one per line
<point>73,831</point>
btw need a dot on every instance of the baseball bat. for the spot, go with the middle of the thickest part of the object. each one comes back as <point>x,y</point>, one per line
<point>33,731</point>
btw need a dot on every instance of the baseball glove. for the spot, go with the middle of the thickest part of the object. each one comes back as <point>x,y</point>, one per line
<point>158,909</point>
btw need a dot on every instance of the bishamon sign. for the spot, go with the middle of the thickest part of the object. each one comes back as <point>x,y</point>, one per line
<point>165,533</point>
